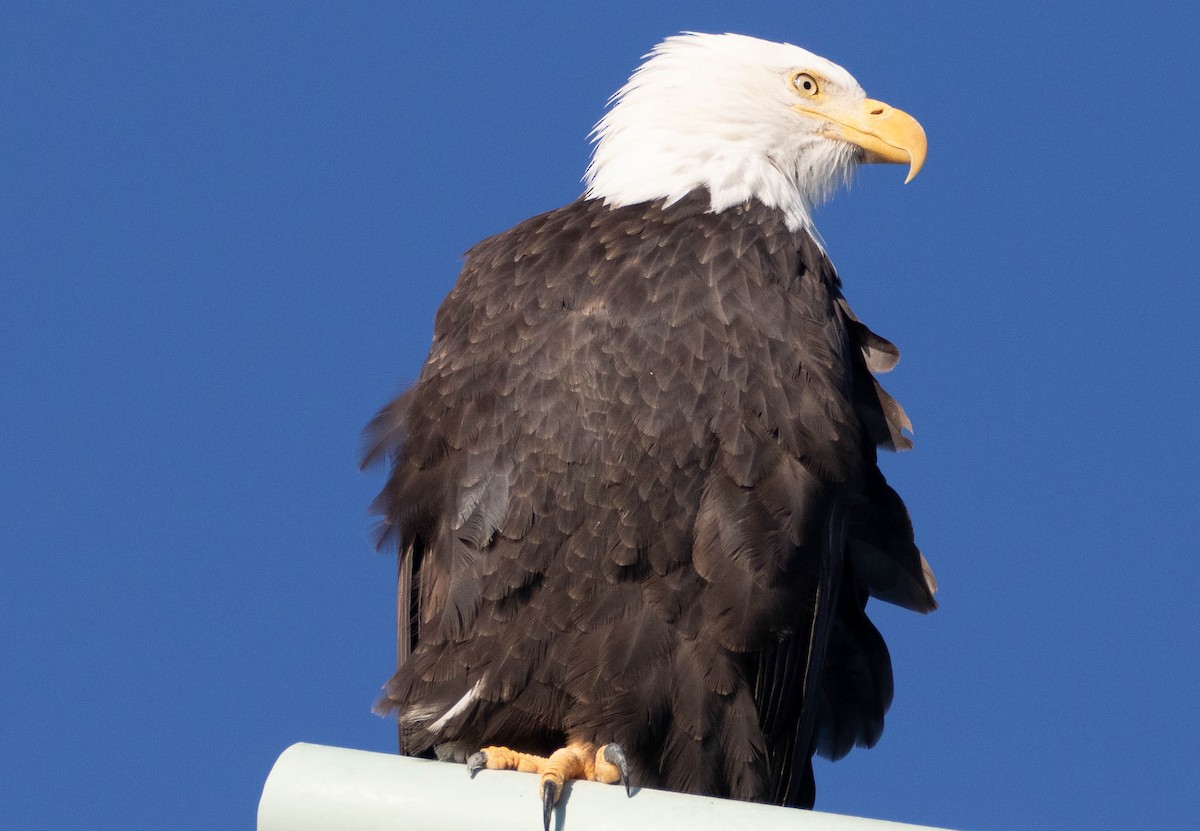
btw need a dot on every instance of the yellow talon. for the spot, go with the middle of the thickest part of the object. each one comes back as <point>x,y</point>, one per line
<point>578,760</point>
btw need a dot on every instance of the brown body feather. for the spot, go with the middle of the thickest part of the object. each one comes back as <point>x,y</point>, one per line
<point>636,499</point>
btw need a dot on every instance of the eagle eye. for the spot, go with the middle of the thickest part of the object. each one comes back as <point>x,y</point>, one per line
<point>805,84</point>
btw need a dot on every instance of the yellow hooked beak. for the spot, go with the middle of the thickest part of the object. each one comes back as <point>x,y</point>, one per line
<point>886,134</point>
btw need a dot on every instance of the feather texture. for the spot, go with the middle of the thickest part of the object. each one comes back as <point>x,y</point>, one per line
<point>636,497</point>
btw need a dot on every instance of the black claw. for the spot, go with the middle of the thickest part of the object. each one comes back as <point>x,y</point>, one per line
<point>476,762</point>
<point>549,795</point>
<point>615,755</point>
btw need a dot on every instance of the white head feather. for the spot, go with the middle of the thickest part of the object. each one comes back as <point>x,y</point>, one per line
<point>715,111</point>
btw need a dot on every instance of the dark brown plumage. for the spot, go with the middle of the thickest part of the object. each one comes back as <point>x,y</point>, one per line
<point>636,498</point>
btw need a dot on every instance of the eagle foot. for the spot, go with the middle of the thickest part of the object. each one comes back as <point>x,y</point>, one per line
<point>580,760</point>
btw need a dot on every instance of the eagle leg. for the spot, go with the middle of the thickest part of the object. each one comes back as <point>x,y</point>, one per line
<point>578,760</point>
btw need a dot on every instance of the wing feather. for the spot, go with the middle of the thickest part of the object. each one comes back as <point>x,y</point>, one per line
<point>636,495</point>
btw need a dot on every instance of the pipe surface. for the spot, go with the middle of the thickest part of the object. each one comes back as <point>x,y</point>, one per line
<point>316,788</point>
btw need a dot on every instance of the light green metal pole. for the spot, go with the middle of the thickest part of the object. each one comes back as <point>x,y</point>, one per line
<point>317,788</point>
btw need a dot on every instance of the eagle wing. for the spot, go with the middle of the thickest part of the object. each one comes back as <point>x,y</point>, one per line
<point>625,487</point>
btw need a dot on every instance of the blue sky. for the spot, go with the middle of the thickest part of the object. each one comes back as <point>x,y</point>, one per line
<point>225,229</point>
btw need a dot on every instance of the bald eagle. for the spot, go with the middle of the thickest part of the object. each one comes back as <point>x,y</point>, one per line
<point>634,488</point>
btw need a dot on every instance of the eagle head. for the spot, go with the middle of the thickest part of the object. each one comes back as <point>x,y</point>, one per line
<point>745,118</point>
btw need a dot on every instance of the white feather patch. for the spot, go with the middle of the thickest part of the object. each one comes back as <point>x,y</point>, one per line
<point>716,111</point>
<point>458,708</point>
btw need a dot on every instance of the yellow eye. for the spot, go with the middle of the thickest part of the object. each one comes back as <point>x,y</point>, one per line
<point>805,84</point>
